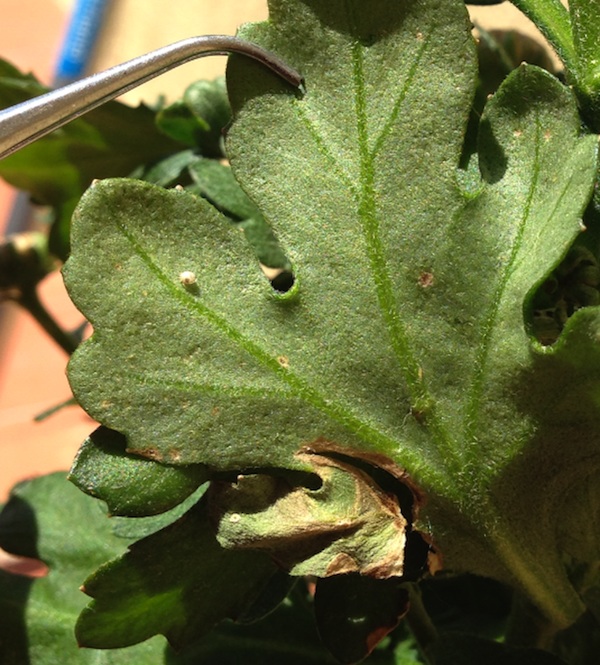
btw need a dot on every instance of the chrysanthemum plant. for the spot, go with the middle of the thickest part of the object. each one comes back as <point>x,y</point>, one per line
<point>348,382</point>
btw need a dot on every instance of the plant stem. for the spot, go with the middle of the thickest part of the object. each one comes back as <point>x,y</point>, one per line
<point>419,621</point>
<point>30,301</point>
<point>554,22</point>
<point>527,628</point>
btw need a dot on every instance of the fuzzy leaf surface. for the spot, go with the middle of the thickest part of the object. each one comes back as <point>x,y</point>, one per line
<point>405,333</point>
<point>145,488</point>
<point>136,596</point>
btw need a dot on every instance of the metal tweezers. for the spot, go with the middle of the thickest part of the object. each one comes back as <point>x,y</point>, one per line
<point>24,123</point>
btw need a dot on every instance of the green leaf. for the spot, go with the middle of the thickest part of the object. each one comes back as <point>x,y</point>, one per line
<point>403,337</point>
<point>199,119</point>
<point>51,520</point>
<point>585,22</point>
<point>169,171</point>
<point>178,122</point>
<point>215,182</point>
<point>130,485</point>
<point>137,596</point>
<point>15,86</point>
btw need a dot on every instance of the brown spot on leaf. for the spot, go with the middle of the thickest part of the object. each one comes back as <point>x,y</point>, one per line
<point>341,564</point>
<point>150,453</point>
<point>426,280</point>
<point>284,361</point>
<point>174,456</point>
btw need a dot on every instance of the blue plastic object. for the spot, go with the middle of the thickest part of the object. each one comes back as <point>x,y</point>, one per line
<point>79,42</point>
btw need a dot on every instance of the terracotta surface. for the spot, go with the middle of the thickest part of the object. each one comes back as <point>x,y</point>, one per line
<point>32,367</point>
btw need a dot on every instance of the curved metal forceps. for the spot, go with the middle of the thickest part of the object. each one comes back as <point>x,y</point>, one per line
<point>23,123</point>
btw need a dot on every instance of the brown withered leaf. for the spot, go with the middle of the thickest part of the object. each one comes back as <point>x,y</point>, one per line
<point>346,522</point>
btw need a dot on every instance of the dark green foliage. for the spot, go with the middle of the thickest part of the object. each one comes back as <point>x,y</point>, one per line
<point>414,386</point>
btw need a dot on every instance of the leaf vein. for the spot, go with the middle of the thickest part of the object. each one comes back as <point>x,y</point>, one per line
<point>368,215</point>
<point>402,96</point>
<point>326,151</point>
<point>483,353</point>
<point>299,387</point>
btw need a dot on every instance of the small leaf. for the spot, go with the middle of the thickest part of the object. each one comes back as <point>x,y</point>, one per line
<point>142,594</point>
<point>15,86</point>
<point>137,528</point>
<point>199,119</point>
<point>209,103</point>
<point>585,23</point>
<point>179,123</point>
<point>169,171</point>
<point>49,519</point>
<point>130,485</point>
<point>217,184</point>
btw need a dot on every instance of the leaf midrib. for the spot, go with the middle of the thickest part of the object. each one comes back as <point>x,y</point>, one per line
<point>369,219</point>
<point>299,387</point>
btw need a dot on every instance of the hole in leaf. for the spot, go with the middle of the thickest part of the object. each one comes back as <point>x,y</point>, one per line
<point>283,282</point>
<point>391,481</point>
<point>574,284</point>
